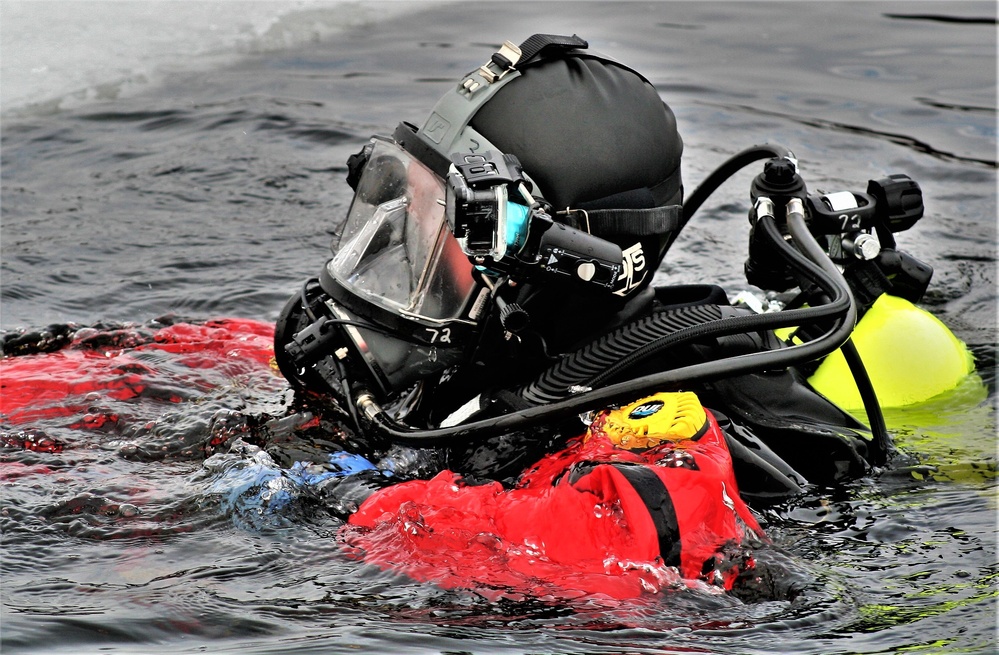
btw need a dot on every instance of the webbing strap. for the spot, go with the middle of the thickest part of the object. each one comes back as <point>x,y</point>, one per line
<point>448,122</point>
<point>542,45</point>
<point>654,221</point>
<point>651,489</point>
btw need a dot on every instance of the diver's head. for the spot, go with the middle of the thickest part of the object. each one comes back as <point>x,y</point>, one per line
<point>599,154</point>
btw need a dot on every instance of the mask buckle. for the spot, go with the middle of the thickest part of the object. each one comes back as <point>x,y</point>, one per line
<point>498,66</point>
<point>504,60</point>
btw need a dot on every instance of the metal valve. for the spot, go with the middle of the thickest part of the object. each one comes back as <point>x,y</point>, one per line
<point>863,246</point>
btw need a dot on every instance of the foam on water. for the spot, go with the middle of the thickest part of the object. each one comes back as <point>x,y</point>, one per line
<point>61,54</point>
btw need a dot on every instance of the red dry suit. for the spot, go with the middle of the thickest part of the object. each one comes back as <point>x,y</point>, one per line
<point>594,518</point>
<point>121,365</point>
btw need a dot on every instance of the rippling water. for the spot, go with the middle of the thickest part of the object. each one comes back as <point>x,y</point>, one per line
<point>180,526</point>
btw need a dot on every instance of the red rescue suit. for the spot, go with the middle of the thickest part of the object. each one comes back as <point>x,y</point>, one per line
<point>593,518</point>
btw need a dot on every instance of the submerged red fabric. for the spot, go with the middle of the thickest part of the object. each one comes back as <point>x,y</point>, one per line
<point>117,365</point>
<point>562,533</point>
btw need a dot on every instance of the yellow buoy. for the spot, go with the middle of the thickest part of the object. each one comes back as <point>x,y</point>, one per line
<point>909,355</point>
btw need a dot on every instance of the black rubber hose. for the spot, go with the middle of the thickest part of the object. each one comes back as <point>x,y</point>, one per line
<point>881,443</point>
<point>606,396</point>
<point>732,165</point>
<point>630,389</point>
<point>580,367</point>
<point>837,306</point>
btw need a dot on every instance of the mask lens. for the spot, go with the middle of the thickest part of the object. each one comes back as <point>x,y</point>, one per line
<point>375,261</point>
<point>396,250</point>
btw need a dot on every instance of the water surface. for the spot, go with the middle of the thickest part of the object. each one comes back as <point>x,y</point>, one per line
<point>215,190</point>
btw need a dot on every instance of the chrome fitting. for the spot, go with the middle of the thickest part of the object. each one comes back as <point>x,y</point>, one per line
<point>366,403</point>
<point>795,206</point>
<point>764,207</point>
<point>863,246</point>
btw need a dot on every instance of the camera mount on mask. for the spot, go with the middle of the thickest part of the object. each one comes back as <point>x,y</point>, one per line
<point>443,316</point>
<point>520,240</point>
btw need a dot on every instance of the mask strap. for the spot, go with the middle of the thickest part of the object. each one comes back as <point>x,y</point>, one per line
<point>447,125</point>
<point>541,46</point>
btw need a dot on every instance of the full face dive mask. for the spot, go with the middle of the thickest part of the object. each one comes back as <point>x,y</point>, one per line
<point>397,301</point>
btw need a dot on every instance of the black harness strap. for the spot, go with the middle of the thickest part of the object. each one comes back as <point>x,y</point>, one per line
<point>654,221</point>
<point>653,493</point>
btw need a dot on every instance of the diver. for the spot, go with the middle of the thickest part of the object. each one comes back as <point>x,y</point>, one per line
<point>493,283</point>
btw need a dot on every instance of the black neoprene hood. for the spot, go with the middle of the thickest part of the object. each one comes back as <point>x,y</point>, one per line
<point>589,132</point>
<point>593,136</point>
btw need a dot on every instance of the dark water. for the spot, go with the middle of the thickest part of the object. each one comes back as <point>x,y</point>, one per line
<point>215,194</point>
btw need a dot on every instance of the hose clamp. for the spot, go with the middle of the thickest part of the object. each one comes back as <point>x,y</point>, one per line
<point>796,206</point>
<point>577,218</point>
<point>764,207</point>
